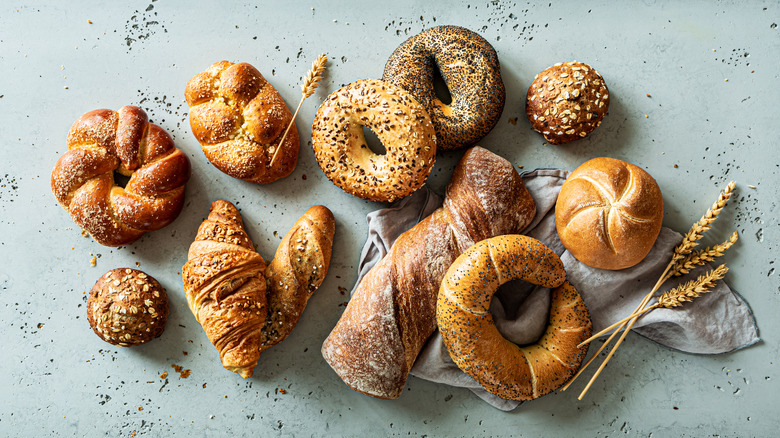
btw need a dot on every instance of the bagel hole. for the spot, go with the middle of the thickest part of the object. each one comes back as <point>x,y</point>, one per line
<point>521,311</point>
<point>373,142</point>
<point>121,180</point>
<point>440,88</point>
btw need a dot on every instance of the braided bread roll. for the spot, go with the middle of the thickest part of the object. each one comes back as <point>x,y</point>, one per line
<point>244,306</point>
<point>102,142</point>
<point>239,118</point>
<point>393,311</point>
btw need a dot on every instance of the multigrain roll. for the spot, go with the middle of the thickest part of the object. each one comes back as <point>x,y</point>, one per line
<point>127,307</point>
<point>469,66</point>
<point>567,102</point>
<point>609,213</point>
<point>398,120</point>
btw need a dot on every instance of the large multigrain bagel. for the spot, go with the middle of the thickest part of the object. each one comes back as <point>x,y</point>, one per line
<point>472,339</point>
<point>469,66</point>
<point>102,143</point>
<point>398,120</point>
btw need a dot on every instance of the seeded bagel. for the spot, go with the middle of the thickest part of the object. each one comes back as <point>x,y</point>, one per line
<point>471,336</point>
<point>398,120</point>
<point>469,66</point>
<point>567,102</point>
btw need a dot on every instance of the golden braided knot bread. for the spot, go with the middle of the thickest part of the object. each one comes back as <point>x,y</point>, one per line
<point>239,119</point>
<point>103,142</point>
<point>244,306</point>
<point>470,334</point>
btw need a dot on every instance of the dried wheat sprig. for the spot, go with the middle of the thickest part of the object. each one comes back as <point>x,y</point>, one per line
<point>692,289</point>
<point>677,296</point>
<point>307,89</point>
<point>699,228</point>
<point>681,267</point>
<point>683,249</point>
<point>698,258</point>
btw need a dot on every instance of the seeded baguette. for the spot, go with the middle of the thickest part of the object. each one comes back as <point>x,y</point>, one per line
<point>393,310</point>
<point>297,270</point>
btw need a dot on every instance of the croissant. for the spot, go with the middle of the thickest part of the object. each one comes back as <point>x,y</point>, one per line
<point>393,310</point>
<point>225,286</point>
<point>244,306</point>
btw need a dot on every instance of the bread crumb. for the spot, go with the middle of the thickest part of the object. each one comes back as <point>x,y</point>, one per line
<point>751,186</point>
<point>93,261</point>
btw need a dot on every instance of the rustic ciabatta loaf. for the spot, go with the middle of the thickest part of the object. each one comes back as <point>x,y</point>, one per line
<point>225,287</point>
<point>297,270</point>
<point>244,306</point>
<point>393,311</point>
<point>609,213</point>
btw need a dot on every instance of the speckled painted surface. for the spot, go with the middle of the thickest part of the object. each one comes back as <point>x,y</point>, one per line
<point>694,88</point>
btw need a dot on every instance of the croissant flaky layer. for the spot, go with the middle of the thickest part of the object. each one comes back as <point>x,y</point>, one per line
<point>244,306</point>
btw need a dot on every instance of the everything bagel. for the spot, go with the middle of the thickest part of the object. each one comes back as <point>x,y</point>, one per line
<point>469,66</point>
<point>472,339</point>
<point>398,120</point>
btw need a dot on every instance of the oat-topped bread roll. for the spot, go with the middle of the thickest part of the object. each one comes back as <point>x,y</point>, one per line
<point>244,306</point>
<point>239,118</point>
<point>393,310</point>
<point>567,102</point>
<point>127,307</point>
<point>104,142</point>
<point>609,213</point>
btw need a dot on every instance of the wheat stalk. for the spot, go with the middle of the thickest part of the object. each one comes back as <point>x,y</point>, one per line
<point>681,267</point>
<point>699,228</point>
<point>680,252</point>
<point>698,258</point>
<point>307,89</point>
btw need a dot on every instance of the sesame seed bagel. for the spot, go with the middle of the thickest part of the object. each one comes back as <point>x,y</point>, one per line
<point>471,336</point>
<point>469,66</point>
<point>398,120</point>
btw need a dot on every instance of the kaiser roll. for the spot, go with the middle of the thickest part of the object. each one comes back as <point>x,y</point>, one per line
<point>609,213</point>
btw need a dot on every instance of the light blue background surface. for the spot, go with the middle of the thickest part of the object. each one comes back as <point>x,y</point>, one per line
<point>710,68</point>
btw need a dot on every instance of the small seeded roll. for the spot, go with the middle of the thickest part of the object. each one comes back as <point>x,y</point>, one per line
<point>398,120</point>
<point>469,66</point>
<point>127,307</point>
<point>567,102</point>
<point>609,213</point>
<point>470,334</point>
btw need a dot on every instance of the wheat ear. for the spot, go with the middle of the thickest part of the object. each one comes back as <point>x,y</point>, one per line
<point>682,250</point>
<point>681,267</point>
<point>699,228</point>
<point>307,89</point>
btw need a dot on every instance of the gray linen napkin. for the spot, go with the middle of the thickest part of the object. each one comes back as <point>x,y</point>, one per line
<point>717,322</point>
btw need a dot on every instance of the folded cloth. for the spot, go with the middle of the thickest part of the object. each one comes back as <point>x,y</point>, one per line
<point>717,322</point>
